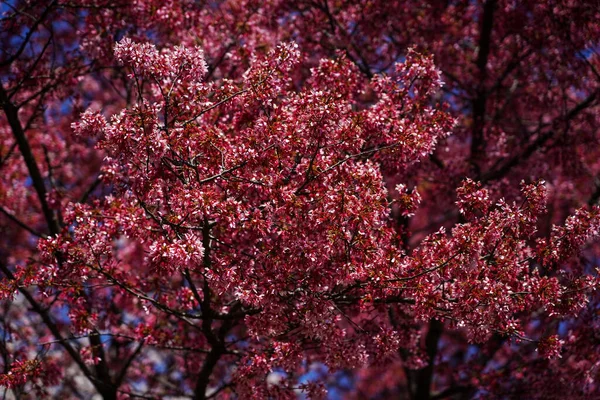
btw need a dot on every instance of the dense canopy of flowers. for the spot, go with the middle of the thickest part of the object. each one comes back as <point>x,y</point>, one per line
<point>273,199</point>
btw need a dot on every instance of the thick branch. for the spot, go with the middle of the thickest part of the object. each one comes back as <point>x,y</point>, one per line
<point>210,363</point>
<point>100,386</point>
<point>34,172</point>
<point>540,141</point>
<point>105,386</point>
<point>425,375</point>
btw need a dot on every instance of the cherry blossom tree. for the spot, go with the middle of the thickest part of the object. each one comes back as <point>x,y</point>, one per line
<point>311,198</point>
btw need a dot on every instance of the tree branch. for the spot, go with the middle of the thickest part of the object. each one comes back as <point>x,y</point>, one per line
<point>480,101</point>
<point>425,375</point>
<point>11,113</point>
<point>38,309</point>
<point>21,223</point>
